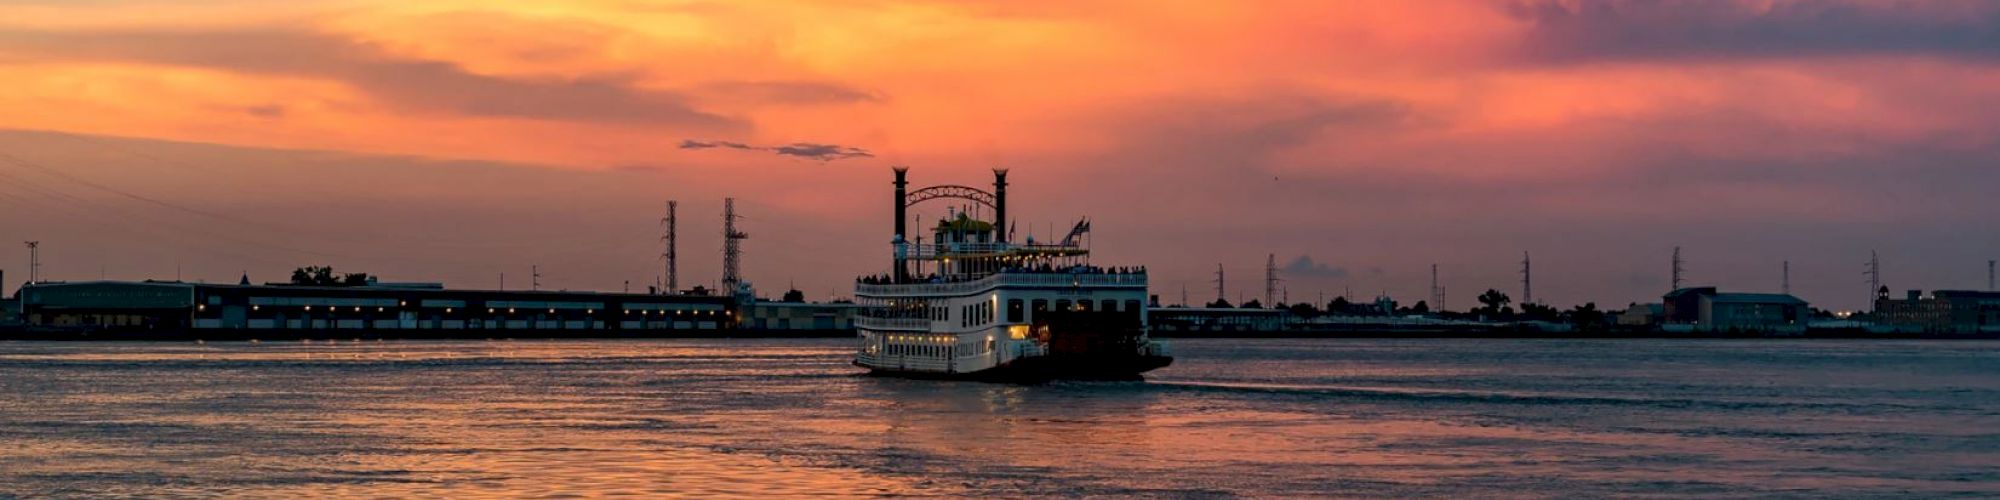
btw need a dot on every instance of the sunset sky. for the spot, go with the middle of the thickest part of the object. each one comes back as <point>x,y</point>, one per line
<point>1358,141</point>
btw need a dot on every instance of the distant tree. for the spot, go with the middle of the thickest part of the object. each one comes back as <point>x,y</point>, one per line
<point>354,279</point>
<point>1587,317</point>
<point>1220,304</point>
<point>1304,310</point>
<point>1339,305</point>
<point>1253,304</point>
<point>794,295</point>
<point>1422,307</point>
<point>1539,312</point>
<point>314,276</point>
<point>1494,303</point>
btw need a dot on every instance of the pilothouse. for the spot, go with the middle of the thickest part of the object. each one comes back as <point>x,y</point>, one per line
<point>966,301</point>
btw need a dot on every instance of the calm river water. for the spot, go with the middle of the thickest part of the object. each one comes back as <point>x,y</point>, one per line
<point>1254,418</point>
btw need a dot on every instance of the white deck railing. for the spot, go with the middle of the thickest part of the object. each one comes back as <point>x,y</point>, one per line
<point>918,324</point>
<point>1002,279</point>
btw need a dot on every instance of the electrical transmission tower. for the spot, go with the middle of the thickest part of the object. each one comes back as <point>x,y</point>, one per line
<point>1221,284</point>
<point>1677,268</point>
<point>1437,294</point>
<point>1271,280</point>
<point>732,250</point>
<point>672,277</point>
<point>1527,280</point>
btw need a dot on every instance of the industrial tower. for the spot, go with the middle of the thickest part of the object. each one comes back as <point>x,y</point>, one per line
<point>668,254</point>
<point>732,251</point>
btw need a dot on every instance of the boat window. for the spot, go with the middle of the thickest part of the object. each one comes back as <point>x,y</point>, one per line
<point>1014,311</point>
<point>1040,306</point>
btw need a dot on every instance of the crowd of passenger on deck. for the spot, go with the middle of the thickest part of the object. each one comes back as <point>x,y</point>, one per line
<point>885,279</point>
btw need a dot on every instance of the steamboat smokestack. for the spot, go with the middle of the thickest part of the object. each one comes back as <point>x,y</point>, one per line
<point>1000,204</point>
<point>902,218</point>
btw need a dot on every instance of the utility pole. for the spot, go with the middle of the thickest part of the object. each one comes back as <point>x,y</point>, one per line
<point>672,279</point>
<point>1184,295</point>
<point>1271,280</point>
<point>535,277</point>
<point>1786,283</point>
<point>732,251</point>
<point>34,261</point>
<point>1989,275</point>
<point>1677,268</point>
<point>1527,280</point>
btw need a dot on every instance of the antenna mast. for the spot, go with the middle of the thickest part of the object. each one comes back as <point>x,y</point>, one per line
<point>1989,275</point>
<point>34,261</point>
<point>535,277</point>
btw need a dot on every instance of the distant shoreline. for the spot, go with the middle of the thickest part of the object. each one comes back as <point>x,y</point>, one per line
<point>294,335</point>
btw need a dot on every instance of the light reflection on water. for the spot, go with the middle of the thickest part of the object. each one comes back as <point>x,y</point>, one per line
<point>789,418</point>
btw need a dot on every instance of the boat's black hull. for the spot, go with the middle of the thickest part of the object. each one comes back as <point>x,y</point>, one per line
<point>1047,368</point>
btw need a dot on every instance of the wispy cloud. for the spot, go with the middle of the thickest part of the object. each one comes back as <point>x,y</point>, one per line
<point>1305,267</point>
<point>1654,29</point>
<point>806,150</point>
<point>403,82</point>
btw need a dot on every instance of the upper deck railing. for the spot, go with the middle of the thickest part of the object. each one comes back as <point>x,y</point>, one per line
<point>935,251</point>
<point>1006,279</point>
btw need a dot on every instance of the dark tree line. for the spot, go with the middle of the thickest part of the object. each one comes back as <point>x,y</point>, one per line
<point>324,276</point>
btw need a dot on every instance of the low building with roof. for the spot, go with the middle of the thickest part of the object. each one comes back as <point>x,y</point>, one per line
<point>1704,309</point>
